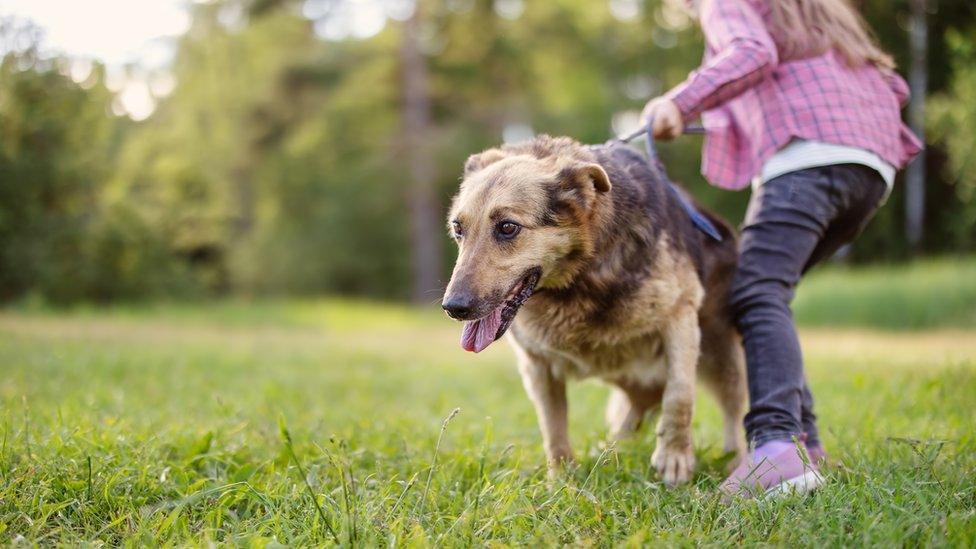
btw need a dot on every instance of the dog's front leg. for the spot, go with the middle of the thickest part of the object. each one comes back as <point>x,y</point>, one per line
<point>674,456</point>
<point>548,394</point>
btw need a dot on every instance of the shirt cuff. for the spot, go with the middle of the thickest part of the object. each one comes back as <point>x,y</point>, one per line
<point>686,101</point>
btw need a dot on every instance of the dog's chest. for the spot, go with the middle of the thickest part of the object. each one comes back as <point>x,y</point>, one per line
<point>614,356</point>
<point>640,362</point>
<point>618,339</point>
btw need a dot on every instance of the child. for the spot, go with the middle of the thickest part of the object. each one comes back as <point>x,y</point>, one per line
<point>796,97</point>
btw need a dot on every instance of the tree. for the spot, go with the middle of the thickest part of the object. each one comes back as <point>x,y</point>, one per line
<point>919,83</point>
<point>425,236</point>
<point>57,143</point>
<point>951,119</point>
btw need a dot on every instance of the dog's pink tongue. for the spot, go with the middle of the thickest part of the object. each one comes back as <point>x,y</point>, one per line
<point>479,334</point>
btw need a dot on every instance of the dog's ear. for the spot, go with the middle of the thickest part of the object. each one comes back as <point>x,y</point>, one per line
<point>578,184</point>
<point>597,175</point>
<point>588,173</point>
<point>481,160</point>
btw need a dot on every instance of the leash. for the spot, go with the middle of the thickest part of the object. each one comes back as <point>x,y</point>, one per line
<point>701,222</point>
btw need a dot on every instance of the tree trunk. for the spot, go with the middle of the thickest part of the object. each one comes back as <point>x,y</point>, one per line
<point>425,235</point>
<point>918,78</point>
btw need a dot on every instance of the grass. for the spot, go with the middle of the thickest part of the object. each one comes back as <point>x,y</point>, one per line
<point>336,422</point>
<point>930,294</point>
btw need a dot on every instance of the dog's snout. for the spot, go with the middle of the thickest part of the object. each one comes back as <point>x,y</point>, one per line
<point>459,307</point>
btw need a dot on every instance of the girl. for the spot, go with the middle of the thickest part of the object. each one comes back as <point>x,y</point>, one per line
<point>798,98</point>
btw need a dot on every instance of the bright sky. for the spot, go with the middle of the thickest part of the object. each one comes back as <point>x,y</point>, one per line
<point>125,31</point>
<point>120,33</point>
<point>135,38</point>
<point>115,31</point>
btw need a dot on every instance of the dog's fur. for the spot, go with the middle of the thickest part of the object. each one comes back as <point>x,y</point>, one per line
<point>630,291</point>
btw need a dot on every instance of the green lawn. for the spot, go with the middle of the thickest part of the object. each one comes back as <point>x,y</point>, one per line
<point>929,294</point>
<point>147,425</point>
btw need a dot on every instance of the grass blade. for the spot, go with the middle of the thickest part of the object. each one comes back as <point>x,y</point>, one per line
<point>433,462</point>
<point>286,436</point>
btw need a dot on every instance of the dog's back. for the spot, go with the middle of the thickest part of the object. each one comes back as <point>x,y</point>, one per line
<point>664,211</point>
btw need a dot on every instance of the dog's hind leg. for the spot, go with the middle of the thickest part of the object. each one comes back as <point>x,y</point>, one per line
<point>723,372</point>
<point>624,416</point>
<point>627,407</point>
<point>548,395</point>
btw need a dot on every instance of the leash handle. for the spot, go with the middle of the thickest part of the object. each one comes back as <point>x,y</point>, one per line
<point>691,129</point>
<point>700,221</point>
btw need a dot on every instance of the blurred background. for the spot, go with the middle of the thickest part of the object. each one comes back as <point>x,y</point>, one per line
<point>174,149</point>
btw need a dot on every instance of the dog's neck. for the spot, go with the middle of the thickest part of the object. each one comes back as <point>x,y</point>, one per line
<point>623,242</point>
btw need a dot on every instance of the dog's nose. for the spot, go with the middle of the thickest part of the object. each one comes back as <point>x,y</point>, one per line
<point>458,307</point>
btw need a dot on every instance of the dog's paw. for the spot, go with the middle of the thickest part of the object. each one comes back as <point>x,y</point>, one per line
<point>674,464</point>
<point>559,458</point>
<point>560,471</point>
<point>561,466</point>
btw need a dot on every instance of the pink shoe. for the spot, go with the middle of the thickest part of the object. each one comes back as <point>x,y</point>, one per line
<point>816,452</point>
<point>818,456</point>
<point>776,467</point>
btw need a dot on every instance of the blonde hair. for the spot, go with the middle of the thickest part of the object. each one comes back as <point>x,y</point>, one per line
<point>805,28</point>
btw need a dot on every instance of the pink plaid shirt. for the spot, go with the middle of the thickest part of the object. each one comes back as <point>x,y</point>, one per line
<point>752,105</point>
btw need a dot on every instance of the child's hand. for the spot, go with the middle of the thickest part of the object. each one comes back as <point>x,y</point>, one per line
<point>667,118</point>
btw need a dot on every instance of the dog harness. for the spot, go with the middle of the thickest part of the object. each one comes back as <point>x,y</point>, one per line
<point>701,222</point>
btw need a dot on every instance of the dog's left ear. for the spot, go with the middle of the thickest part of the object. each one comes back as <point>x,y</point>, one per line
<point>589,173</point>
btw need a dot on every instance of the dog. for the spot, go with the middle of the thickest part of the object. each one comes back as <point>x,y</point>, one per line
<point>584,256</point>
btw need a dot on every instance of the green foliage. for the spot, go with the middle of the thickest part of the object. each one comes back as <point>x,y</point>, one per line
<point>278,164</point>
<point>951,120</point>
<point>931,294</point>
<point>168,425</point>
<point>128,260</point>
<point>56,145</point>
<point>245,174</point>
<point>60,239</point>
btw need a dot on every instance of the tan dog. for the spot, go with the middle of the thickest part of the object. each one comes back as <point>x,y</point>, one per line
<point>609,278</point>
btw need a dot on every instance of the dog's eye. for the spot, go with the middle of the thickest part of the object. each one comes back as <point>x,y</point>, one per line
<point>507,229</point>
<point>458,233</point>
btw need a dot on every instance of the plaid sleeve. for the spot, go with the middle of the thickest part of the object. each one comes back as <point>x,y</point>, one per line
<point>744,55</point>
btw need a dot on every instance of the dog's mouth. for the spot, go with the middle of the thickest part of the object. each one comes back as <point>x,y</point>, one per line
<point>478,334</point>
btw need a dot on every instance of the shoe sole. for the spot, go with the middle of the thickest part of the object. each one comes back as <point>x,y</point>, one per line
<point>803,484</point>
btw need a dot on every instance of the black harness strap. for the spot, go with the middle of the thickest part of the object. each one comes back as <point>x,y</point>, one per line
<point>654,161</point>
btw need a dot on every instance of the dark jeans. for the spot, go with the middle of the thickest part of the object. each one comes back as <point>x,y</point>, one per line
<point>794,221</point>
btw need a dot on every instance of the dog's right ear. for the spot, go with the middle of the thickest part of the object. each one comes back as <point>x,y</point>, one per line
<point>597,176</point>
<point>481,160</point>
<point>588,174</point>
<point>577,187</point>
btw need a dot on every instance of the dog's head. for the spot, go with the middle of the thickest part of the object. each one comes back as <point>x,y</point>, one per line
<point>524,218</point>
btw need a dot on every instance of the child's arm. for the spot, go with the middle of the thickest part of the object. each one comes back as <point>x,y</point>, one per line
<point>744,55</point>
